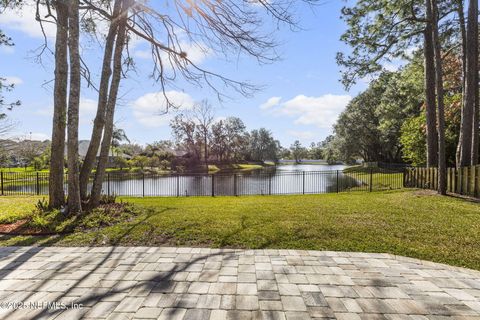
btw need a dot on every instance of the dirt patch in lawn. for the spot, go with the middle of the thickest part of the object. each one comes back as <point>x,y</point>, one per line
<point>20,228</point>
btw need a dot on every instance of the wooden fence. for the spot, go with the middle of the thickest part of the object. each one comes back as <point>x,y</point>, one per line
<point>464,181</point>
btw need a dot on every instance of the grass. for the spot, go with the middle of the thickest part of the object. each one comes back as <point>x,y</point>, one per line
<point>234,167</point>
<point>15,208</point>
<point>410,223</point>
<point>312,162</point>
<point>22,170</point>
<point>381,179</point>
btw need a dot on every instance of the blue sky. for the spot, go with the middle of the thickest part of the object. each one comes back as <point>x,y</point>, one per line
<point>300,99</point>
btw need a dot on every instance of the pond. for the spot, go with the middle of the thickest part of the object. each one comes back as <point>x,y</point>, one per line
<point>283,179</point>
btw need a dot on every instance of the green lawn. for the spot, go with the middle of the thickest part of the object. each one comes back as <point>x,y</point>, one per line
<point>237,167</point>
<point>381,179</point>
<point>22,170</point>
<point>410,223</point>
<point>15,208</point>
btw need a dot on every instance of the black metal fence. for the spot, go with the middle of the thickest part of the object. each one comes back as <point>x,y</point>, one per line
<point>255,183</point>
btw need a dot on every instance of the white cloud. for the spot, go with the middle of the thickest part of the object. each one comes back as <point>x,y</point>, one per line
<point>150,108</point>
<point>35,136</point>
<point>320,111</point>
<point>24,20</point>
<point>302,135</point>
<point>39,136</point>
<point>272,102</point>
<point>13,80</point>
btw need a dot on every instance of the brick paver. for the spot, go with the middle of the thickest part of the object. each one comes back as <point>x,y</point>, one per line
<point>199,283</point>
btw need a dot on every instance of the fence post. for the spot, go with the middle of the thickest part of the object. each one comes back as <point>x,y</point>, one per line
<point>108,183</point>
<point>371,179</point>
<point>38,185</point>
<point>1,181</point>
<point>178,185</point>
<point>337,181</point>
<point>477,174</point>
<point>270,184</point>
<point>303,182</point>
<point>235,184</point>
<point>143,184</point>
<point>213,185</point>
<point>460,180</point>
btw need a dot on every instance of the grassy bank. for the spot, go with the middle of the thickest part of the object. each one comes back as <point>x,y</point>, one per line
<point>410,223</point>
<point>235,167</point>
<point>380,179</point>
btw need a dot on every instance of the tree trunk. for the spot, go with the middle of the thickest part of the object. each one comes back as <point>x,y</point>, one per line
<point>206,150</point>
<point>74,203</point>
<point>57,162</point>
<point>110,108</point>
<point>99,121</point>
<point>472,75</point>
<point>463,35</point>
<point>442,168</point>
<point>466,125</point>
<point>430,105</point>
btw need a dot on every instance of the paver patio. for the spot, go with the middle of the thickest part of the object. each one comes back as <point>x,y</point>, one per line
<point>197,283</point>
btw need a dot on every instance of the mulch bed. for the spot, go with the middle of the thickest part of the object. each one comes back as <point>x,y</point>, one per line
<point>19,228</point>
<point>12,227</point>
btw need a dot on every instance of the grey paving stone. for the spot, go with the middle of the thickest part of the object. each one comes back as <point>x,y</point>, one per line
<point>102,309</point>
<point>172,314</point>
<point>187,300</point>
<point>293,303</point>
<point>314,299</point>
<point>270,305</point>
<point>129,304</point>
<point>247,288</point>
<point>209,301</point>
<point>148,313</point>
<point>297,315</point>
<point>272,315</point>
<point>201,283</point>
<point>197,314</point>
<point>218,314</point>
<point>288,289</point>
<point>268,295</point>
<point>246,302</point>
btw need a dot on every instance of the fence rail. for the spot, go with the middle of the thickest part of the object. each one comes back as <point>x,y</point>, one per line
<point>463,181</point>
<point>258,183</point>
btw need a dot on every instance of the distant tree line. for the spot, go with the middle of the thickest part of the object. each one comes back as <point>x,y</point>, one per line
<point>225,140</point>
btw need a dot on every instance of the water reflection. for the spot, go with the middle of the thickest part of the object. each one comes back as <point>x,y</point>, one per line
<point>285,179</point>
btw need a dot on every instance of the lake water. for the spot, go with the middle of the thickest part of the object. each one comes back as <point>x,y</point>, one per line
<point>284,179</point>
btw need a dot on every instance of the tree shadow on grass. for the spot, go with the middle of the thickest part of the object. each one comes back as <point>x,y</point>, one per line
<point>63,266</point>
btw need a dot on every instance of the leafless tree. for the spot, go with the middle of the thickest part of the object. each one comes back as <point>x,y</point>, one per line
<point>228,27</point>
<point>203,115</point>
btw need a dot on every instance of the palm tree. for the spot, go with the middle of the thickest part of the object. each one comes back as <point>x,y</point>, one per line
<point>118,136</point>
